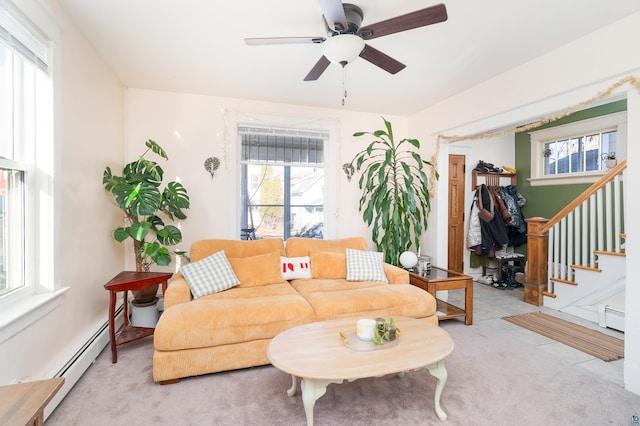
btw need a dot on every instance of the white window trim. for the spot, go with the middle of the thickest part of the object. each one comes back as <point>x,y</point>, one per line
<point>27,305</point>
<point>616,121</point>
<point>234,119</point>
<point>22,312</point>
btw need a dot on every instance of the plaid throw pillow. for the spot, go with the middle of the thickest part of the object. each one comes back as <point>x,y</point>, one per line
<point>365,266</point>
<point>209,275</point>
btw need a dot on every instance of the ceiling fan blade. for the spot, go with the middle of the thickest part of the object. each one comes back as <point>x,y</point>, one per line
<point>333,12</point>
<point>260,41</point>
<point>381,60</point>
<point>317,69</point>
<point>419,18</point>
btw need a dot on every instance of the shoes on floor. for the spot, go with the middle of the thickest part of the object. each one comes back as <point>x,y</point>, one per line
<point>487,279</point>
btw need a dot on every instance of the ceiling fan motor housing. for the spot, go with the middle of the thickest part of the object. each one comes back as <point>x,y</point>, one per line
<point>354,20</point>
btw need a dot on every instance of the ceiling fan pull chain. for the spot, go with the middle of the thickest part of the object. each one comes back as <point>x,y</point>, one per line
<point>344,84</point>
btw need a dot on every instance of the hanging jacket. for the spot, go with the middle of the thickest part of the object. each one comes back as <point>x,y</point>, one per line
<point>474,233</point>
<point>494,233</point>
<point>501,206</point>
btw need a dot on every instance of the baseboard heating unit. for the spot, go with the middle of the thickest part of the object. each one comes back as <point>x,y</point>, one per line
<point>611,317</point>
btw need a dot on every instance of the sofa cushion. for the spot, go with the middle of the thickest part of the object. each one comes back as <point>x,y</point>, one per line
<point>257,270</point>
<point>297,246</point>
<point>209,275</point>
<point>235,248</point>
<point>295,267</point>
<point>238,315</point>
<point>365,265</point>
<point>327,264</point>
<point>334,298</point>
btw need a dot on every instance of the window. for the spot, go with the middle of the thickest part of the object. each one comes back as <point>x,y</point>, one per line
<point>576,152</point>
<point>282,183</point>
<point>25,124</point>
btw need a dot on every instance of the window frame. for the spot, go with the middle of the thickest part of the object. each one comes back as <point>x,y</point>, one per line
<point>37,37</point>
<point>615,121</point>
<point>287,204</point>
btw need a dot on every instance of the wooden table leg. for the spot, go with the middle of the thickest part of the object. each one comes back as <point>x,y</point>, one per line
<point>112,326</point>
<point>468,303</point>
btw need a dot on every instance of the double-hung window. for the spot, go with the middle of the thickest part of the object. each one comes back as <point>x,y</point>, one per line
<point>282,183</point>
<point>577,152</point>
<point>25,154</point>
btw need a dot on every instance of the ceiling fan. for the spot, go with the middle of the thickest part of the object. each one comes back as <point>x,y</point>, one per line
<point>346,38</point>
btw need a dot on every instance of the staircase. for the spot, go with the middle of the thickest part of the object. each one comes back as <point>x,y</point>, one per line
<point>577,262</point>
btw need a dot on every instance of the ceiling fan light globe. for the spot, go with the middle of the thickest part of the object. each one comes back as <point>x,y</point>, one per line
<point>343,48</point>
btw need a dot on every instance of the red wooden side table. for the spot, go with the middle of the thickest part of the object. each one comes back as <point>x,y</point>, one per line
<point>126,281</point>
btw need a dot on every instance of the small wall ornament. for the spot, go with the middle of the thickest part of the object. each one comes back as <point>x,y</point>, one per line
<point>349,170</point>
<point>211,164</point>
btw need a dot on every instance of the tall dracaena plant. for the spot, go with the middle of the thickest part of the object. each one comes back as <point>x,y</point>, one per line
<point>137,192</point>
<point>395,199</point>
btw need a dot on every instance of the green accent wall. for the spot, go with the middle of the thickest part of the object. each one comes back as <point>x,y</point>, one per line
<point>546,201</point>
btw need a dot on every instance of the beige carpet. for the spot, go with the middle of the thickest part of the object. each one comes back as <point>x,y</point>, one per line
<point>495,378</point>
<point>593,342</point>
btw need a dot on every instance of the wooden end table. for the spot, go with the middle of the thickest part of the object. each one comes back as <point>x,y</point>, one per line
<point>316,354</point>
<point>130,281</point>
<point>443,279</point>
<point>24,403</point>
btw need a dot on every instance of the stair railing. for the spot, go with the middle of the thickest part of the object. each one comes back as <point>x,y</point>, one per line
<point>592,223</point>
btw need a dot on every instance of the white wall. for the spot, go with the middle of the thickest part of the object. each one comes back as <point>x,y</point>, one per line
<point>192,128</point>
<point>545,86</point>
<point>89,134</point>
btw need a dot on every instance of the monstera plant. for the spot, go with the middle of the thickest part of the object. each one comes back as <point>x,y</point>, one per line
<point>395,199</point>
<point>146,206</point>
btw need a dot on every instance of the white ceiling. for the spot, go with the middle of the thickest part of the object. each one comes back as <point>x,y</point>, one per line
<point>197,46</point>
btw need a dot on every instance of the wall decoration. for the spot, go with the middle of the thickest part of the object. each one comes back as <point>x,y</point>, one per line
<point>211,164</point>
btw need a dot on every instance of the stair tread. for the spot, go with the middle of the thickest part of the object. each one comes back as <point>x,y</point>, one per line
<point>562,280</point>
<point>586,268</point>
<point>610,253</point>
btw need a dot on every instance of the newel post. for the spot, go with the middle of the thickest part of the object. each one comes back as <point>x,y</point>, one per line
<point>537,260</point>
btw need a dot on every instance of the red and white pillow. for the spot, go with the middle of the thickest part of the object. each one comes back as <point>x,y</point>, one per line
<point>295,267</point>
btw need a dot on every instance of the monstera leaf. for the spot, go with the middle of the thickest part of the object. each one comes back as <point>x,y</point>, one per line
<point>139,194</point>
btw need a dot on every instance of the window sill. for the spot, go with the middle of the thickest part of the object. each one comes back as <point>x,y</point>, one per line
<point>23,313</point>
<point>566,180</point>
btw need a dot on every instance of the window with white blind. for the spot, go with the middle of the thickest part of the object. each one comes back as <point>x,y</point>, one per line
<point>282,183</point>
<point>26,134</point>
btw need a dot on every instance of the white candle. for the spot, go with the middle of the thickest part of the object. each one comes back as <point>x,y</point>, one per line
<point>365,328</point>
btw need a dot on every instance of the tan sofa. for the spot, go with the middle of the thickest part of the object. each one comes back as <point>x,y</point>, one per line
<point>231,329</point>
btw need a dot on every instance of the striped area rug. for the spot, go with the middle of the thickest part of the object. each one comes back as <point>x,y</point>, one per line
<point>593,342</point>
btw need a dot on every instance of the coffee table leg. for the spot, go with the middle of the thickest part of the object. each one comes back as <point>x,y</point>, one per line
<point>311,391</point>
<point>439,371</point>
<point>294,386</point>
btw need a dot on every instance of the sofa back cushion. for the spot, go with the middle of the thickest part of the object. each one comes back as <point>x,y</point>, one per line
<point>235,248</point>
<point>297,246</point>
<point>328,265</point>
<point>259,270</point>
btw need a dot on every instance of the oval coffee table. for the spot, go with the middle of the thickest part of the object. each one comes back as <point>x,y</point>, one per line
<point>316,354</point>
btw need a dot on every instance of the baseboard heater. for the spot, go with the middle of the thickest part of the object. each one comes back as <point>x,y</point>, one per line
<point>611,317</point>
<point>75,367</point>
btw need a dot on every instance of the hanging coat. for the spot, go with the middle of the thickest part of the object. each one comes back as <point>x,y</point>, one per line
<point>494,233</point>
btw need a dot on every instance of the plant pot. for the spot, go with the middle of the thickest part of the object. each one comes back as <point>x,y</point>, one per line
<point>146,295</point>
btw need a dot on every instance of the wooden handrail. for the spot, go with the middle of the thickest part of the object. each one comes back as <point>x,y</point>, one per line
<point>600,183</point>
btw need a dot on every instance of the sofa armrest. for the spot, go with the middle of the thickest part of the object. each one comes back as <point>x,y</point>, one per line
<point>396,275</point>
<point>177,292</point>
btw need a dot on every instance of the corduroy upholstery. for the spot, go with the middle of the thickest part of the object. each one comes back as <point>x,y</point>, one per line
<point>231,329</point>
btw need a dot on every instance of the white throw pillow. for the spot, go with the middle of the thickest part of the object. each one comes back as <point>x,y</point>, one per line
<point>210,275</point>
<point>365,266</point>
<point>295,267</point>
